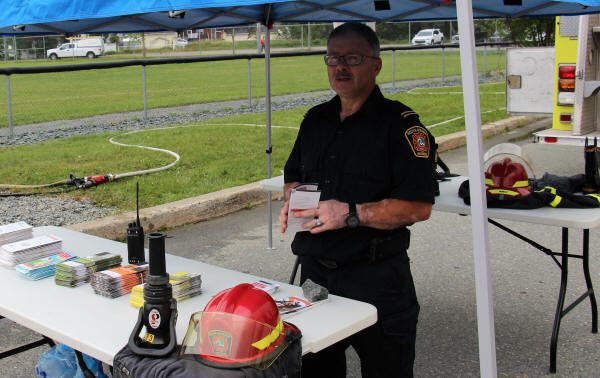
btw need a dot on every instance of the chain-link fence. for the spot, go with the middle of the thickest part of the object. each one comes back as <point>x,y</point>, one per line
<point>89,91</point>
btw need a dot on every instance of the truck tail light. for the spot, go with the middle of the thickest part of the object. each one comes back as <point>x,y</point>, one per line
<point>566,71</point>
<point>566,117</point>
<point>566,85</point>
<point>566,98</point>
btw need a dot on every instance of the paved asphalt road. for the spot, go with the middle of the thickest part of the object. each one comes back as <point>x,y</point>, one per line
<point>525,283</point>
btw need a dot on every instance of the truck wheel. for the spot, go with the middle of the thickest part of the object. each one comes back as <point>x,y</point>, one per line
<point>90,55</point>
<point>53,56</point>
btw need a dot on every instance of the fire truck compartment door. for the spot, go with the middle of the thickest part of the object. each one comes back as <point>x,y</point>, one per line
<point>586,117</point>
<point>529,84</point>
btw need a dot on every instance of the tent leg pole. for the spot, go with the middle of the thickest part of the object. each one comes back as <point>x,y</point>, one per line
<point>269,146</point>
<point>483,282</point>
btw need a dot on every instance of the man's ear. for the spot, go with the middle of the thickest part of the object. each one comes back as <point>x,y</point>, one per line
<point>377,67</point>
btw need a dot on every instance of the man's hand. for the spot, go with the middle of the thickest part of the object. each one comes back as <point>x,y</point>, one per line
<point>283,213</point>
<point>330,215</point>
<point>283,216</point>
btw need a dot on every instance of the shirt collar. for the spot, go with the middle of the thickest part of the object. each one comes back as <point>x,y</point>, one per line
<point>368,106</point>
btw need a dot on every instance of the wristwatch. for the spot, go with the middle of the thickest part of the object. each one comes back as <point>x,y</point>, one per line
<point>352,220</point>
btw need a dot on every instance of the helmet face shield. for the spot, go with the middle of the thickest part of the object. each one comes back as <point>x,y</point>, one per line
<point>229,340</point>
<point>507,173</point>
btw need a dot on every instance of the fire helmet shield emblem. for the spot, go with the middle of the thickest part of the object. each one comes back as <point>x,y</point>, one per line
<point>220,342</point>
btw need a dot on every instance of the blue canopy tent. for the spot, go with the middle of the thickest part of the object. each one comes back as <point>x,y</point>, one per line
<point>38,17</point>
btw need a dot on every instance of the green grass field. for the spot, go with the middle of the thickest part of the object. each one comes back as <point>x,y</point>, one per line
<point>69,95</point>
<point>216,154</point>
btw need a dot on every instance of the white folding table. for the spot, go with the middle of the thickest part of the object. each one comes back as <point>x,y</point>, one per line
<point>100,326</point>
<point>578,219</point>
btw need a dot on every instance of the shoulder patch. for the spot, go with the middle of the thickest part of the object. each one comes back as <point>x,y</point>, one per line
<point>418,139</point>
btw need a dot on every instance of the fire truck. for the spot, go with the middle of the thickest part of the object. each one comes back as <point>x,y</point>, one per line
<point>560,82</point>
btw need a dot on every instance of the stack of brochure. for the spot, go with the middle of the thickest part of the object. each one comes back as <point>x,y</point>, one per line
<point>12,232</point>
<point>116,282</point>
<point>42,268</point>
<point>185,285</point>
<point>30,249</point>
<point>78,271</point>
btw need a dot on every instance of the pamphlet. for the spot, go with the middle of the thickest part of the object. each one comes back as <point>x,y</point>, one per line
<point>269,287</point>
<point>303,196</point>
<point>292,305</point>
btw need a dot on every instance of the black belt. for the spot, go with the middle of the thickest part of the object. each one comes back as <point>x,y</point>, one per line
<point>379,248</point>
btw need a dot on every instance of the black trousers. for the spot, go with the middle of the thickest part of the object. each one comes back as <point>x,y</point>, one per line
<point>387,348</point>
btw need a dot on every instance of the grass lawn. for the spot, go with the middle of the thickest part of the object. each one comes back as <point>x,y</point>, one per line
<point>68,95</point>
<point>216,154</point>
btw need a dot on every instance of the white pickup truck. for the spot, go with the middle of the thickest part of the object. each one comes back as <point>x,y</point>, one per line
<point>89,48</point>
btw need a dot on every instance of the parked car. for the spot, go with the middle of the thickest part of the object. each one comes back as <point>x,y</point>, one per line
<point>428,37</point>
<point>455,38</point>
<point>181,42</point>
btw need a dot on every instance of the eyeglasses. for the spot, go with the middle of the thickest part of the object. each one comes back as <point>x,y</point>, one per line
<point>349,60</point>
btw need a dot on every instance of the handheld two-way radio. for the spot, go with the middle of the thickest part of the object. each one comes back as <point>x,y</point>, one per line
<point>135,234</point>
<point>159,313</point>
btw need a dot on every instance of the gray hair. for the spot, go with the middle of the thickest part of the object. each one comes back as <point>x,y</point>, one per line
<point>359,30</point>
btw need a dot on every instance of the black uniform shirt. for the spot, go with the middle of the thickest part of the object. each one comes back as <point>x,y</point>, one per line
<point>381,151</point>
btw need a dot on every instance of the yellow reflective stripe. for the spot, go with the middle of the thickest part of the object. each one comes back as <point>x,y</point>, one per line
<point>489,182</point>
<point>556,201</point>
<point>521,184</point>
<point>503,191</point>
<point>596,196</point>
<point>270,338</point>
<point>547,188</point>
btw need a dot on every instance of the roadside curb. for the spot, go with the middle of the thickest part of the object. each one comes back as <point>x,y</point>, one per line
<point>226,201</point>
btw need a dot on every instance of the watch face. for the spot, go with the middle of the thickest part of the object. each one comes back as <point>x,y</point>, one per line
<point>352,221</point>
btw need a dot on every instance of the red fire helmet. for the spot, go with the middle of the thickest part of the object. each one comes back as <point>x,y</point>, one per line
<point>507,178</point>
<point>239,327</point>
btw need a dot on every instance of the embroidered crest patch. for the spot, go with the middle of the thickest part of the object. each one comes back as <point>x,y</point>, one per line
<point>419,141</point>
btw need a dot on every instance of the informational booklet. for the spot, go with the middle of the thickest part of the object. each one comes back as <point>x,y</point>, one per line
<point>302,197</point>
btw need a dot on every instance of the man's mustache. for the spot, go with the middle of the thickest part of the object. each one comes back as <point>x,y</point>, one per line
<point>343,75</point>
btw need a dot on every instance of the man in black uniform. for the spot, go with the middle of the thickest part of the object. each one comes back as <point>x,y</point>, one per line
<point>374,163</point>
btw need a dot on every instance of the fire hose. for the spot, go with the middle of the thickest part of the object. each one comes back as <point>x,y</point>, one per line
<point>95,180</point>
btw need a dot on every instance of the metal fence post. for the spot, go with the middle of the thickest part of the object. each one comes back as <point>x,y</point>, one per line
<point>393,68</point>
<point>233,40</point>
<point>443,64</point>
<point>485,70</point>
<point>249,82</point>
<point>145,89</point>
<point>9,103</point>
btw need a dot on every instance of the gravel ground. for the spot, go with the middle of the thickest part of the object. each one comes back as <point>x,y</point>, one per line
<point>60,210</point>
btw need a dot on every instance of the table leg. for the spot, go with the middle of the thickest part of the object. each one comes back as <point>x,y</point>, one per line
<point>588,279</point>
<point>23,348</point>
<point>564,273</point>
